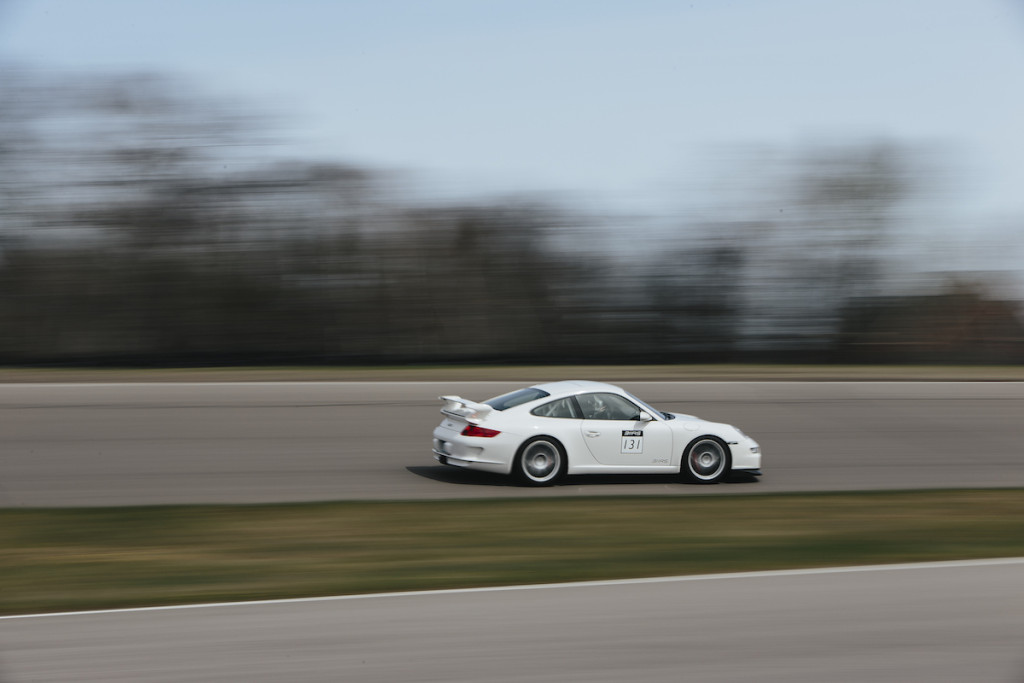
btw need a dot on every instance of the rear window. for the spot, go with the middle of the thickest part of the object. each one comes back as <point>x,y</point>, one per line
<point>506,401</point>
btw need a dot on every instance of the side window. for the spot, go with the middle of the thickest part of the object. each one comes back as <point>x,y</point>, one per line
<point>563,407</point>
<point>607,407</point>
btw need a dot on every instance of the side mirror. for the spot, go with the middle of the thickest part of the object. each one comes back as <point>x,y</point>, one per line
<point>645,416</point>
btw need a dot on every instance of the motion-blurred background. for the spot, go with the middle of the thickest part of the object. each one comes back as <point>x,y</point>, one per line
<point>455,181</point>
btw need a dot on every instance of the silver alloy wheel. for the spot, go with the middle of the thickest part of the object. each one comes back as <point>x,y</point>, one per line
<point>541,462</point>
<point>706,460</point>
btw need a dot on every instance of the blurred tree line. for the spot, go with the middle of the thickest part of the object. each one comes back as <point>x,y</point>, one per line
<point>141,224</point>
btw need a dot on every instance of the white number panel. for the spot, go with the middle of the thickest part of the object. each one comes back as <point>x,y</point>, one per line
<point>632,441</point>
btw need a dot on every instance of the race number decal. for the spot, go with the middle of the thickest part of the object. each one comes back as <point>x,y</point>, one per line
<point>632,441</point>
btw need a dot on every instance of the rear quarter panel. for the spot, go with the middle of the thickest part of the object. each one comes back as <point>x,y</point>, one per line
<point>568,431</point>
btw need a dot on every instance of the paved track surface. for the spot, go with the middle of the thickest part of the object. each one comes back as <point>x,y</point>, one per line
<point>125,444</point>
<point>933,624</point>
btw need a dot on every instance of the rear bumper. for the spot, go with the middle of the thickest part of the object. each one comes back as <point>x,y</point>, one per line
<point>473,453</point>
<point>445,459</point>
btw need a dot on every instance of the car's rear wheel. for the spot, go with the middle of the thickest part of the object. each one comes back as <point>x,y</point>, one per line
<point>540,462</point>
<point>707,460</point>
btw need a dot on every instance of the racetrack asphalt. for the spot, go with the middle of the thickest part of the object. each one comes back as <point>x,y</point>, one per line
<point>124,444</point>
<point>136,443</point>
<point>939,622</point>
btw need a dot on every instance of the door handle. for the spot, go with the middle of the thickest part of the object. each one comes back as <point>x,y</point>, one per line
<point>593,434</point>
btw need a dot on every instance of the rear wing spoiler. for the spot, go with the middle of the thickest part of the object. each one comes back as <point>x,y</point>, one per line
<point>470,411</point>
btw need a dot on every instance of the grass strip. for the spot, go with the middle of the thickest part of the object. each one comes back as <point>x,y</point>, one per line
<point>74,559</point>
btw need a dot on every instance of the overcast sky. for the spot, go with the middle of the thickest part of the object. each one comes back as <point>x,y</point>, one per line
<point>618,99</point>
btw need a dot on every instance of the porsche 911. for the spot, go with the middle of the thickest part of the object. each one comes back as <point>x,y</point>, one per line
<point>540,434</point>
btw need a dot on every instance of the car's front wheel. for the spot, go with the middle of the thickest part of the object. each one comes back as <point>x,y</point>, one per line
<point>707,460</point>
<point>540,462</point>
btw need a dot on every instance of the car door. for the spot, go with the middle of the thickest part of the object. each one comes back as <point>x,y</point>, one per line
<point>615,434</point>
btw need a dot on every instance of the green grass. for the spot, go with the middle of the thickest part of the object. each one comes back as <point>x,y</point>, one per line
<point>72,559</point>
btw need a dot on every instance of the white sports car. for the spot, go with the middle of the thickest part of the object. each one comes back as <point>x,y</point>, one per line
<point>541,433</point>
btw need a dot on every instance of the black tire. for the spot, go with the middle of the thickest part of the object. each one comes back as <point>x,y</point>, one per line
<point>540,462</point>
<point>707,460</point>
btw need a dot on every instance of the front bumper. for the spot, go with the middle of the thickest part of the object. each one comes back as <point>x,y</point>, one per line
<point>746,456</point>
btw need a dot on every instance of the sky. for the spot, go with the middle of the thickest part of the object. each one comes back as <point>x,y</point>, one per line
<point>616,101</point>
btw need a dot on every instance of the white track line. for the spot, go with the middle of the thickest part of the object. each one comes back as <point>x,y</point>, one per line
<point>955,564</point>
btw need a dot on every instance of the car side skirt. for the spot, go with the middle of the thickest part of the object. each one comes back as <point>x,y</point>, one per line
<point>623,469</point>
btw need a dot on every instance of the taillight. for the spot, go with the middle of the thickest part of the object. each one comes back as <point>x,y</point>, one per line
<point>473,430</point>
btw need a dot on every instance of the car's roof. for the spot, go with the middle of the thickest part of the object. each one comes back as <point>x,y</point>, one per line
<point>576,386</point>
